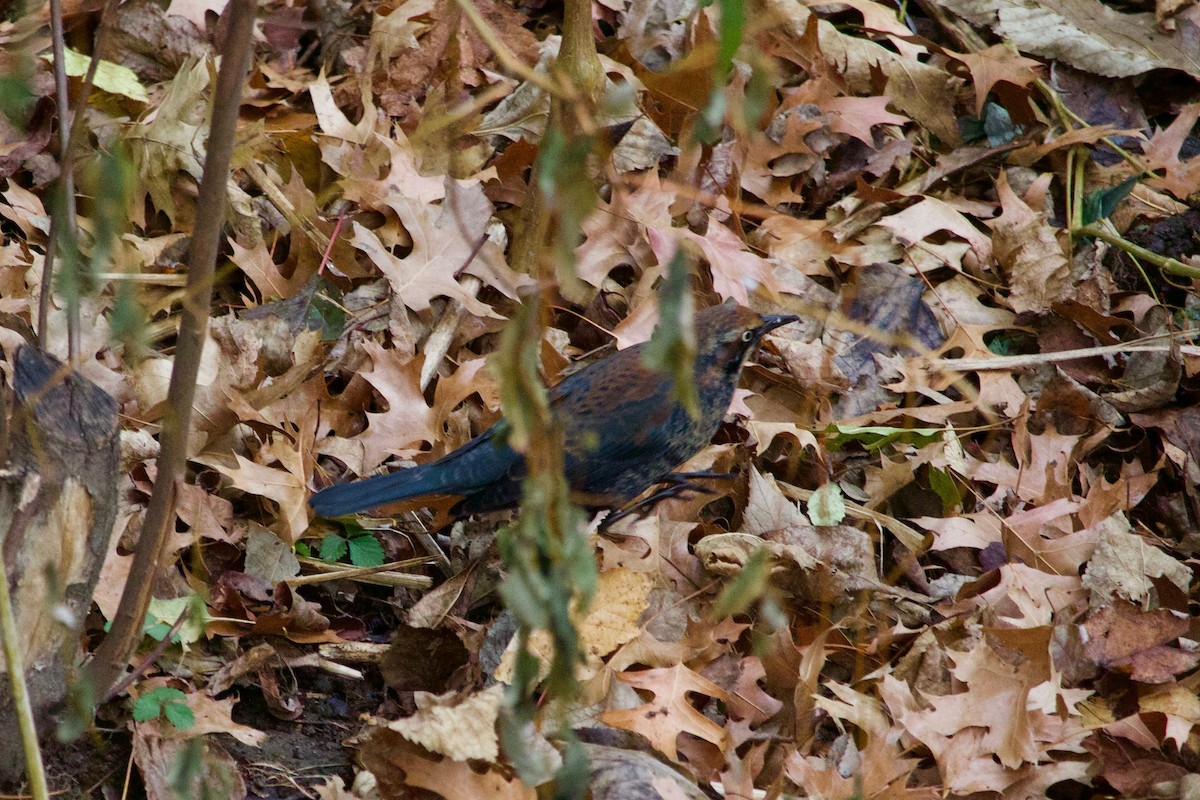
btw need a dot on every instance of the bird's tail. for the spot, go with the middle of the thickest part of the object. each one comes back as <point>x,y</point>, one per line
<point>404,484</point>
<point>481,463</point>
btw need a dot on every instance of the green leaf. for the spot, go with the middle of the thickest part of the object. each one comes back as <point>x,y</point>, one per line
<point>730,31</point>
<point>729,36</point>
<point>564,182</point>
<point>711,121</point>
<point>146,708</point>
<point>366,551</point>
<point>945,488</point>
<point>16,99</point>
<point>168,694</point>
<point>523,396</point>
<point>998,125</point>
<point>156,630</point>
<point>746,588</point>
<point>971,129</point>
<point>875,437</point>
<point>160,701</point>
<point>326,313</point>
<point>1102,203</point>
<point>110,77</point>
<point>672,346</point>
<point>162,614</point>
<point>760,91</point>
<point>333,548</point>
<point>179,715</point>
<point>78,712</point>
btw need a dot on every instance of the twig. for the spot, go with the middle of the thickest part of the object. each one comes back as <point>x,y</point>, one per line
<point>1034,359</point>
<point>1165,263</point>
<point>66,226</point>
<point>113,653</point>
<point>70,125</point>
<point>149,659</point>
<point>375,575</point>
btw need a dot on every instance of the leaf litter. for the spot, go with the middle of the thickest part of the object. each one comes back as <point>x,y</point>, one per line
<point>977,550</point>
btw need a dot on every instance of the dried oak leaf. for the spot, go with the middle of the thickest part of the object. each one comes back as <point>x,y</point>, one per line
<point>618,604</point>
<point>286,484</point>
<point>1182,177</point>
<point>735,269</point>
<point>671,712</point>
<point>408,420</point>
<point>1027,247</point>
<point>398,764</point>
<point>446,240</point>
<point>1086,34</point>
<point>995,64</point>
<point>1122,636</point>
<point>855,116</point>
<point>1124,563</point>
<point>461,727</point>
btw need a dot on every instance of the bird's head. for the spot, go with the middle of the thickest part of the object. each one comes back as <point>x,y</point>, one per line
<point>726,334</point>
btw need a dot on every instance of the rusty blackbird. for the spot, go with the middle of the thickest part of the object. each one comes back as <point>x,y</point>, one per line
<point>624,431</point>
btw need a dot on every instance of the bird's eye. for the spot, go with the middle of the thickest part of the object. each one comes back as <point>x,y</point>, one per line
<point>748,336</point>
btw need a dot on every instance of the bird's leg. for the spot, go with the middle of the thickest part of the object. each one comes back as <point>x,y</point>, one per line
<point>673,484</point>
<point>684,477</point>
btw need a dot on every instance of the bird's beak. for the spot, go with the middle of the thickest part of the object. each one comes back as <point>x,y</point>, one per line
<point>773,321</point>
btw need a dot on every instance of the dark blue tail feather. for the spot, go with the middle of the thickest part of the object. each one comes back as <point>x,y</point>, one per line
<point>484,463</point>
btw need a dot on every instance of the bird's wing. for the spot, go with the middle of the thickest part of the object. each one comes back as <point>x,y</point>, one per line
<point>617,416</point>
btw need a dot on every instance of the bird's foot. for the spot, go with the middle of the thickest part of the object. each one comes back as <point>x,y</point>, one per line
<point>673,484</point>
<point>684,477</point>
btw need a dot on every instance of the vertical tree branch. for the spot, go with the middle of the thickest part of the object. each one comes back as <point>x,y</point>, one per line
<point>113,653</point>
<point>62,213</point>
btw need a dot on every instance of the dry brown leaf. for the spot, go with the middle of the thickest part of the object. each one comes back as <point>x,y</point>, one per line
<point>1028,249</point>
<point>408,421</point>
<point>286,484</point>
<point>671,712</point>
<point>460,727</point>
<point>1121,636</point>
<point>1085,34</point>
<point>997,63</point>
<point>916,88</point>
<point>612,620</point>
<point>445,240</point>
<point>1125,564</point>
<point>398,764</point>
<point>855,116</point>
<point>1163,152</point>
<point>917,222</point>
<point>735,270</point>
